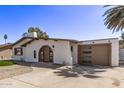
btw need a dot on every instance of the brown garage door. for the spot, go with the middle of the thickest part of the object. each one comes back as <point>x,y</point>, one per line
<point>84,54</point>
<point>101,54</point>
<point>98,54</point>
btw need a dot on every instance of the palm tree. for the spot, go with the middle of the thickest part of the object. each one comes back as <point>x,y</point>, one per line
<point>5,37</point>
<point>114,18</point>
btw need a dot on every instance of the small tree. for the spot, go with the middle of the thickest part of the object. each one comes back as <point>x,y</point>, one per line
<point>31,29</point>
<point>40,33</point>
<point>25,34</point>
<point>5,37</point>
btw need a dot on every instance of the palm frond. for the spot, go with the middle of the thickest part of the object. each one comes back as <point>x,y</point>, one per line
<point>114,18</point>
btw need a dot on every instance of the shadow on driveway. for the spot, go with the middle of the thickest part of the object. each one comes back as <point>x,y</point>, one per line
<point>70,71</point>
<point>85,71</point>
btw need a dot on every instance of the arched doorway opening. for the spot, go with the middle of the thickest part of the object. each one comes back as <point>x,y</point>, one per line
<point>45,54</point>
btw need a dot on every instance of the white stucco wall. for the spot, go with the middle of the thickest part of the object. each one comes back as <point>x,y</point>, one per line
<point>115,52</point>
<point>114,48</point>
<point>74,52</point>
<point>15,57</point>
<point>61,51</point>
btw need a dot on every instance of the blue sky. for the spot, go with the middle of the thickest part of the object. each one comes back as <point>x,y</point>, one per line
<point>73,22</point>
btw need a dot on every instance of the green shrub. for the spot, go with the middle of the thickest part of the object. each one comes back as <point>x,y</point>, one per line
<point>6,63</point>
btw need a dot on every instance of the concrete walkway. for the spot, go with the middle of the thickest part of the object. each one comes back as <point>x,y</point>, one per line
<point>67,77</point>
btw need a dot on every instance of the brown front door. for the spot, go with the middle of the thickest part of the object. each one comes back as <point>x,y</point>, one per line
<point>46,54</point>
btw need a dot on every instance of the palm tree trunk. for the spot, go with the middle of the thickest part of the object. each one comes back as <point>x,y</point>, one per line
<point>5,41</point>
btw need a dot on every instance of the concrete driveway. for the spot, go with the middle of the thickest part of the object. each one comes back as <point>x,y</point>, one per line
<point>54,76</point>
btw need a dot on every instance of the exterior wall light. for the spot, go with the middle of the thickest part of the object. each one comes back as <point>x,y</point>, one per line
<point>53,46</point>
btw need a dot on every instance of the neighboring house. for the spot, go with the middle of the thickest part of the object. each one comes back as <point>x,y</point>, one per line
<point>67,51</point>
<point>6,51</point>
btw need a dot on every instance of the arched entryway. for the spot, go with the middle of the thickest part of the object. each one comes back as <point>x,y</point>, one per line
<point>45,54</point>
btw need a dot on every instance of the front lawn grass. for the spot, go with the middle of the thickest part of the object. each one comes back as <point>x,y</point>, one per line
<point>6,63</point>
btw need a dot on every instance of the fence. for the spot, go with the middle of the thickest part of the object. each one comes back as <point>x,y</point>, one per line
<point>121,55</point>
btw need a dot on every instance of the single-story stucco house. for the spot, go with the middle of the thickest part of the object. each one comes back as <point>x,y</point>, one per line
<point>6,51</point>
<point>66,51</point>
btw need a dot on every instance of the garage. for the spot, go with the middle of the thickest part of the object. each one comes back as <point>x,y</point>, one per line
<point>101,54</point>
<point>94,54</point>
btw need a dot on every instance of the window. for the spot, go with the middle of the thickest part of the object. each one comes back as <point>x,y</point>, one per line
<point>71,48</point>
<point>18,51</point>
<point>86,61</point>
<point>41,55</point>
<point>87,47</point>
<point>35,54</point>
<point>1,57</point>
<point>87,52</point>
<point>51,55</point>
<point>53,46</point>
